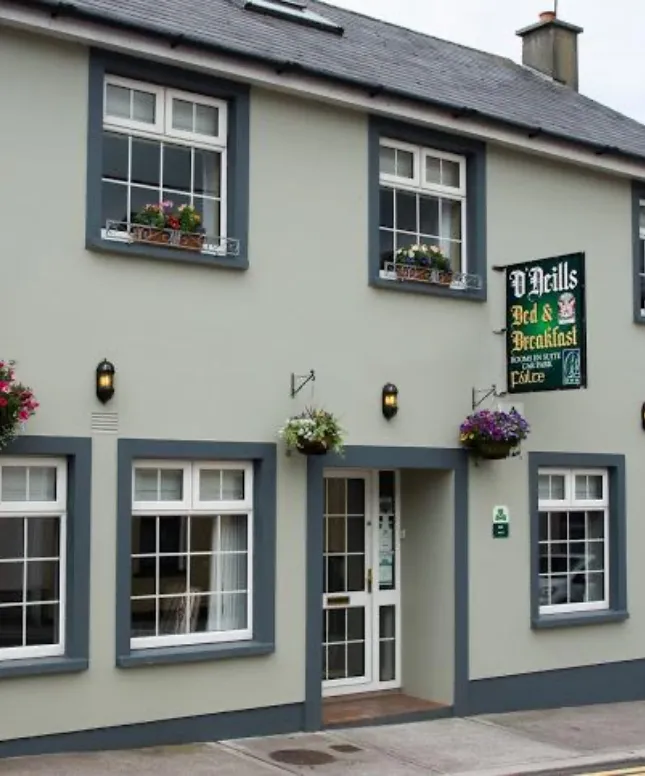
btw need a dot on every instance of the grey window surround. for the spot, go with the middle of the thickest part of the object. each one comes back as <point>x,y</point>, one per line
<point>237,97</point>
<point>263,455</point>
<point>475,153</point>
<point>638,193</point>
<point>617,611</point>
<point>78,453</point>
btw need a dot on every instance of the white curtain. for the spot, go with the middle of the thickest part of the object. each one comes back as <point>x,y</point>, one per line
<point>229,574</point>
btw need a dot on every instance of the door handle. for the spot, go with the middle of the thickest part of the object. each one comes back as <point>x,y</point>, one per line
<point>369,580</point>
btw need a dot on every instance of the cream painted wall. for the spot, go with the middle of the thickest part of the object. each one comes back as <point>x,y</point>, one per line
<point>427,585</point>
<point>534,210</point>
<point>235,338</point>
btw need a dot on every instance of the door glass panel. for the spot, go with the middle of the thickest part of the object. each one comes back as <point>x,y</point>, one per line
<point>386,538</point>
<point>387,643</point>
<point>344,643</point>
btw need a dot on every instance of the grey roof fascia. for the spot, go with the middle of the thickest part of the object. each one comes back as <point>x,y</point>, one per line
<point>66,8</point>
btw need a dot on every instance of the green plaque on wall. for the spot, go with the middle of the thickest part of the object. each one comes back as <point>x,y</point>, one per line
<point>546,332</point>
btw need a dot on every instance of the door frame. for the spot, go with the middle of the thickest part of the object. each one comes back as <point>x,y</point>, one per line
<point>375,598</point>
<point>446,459</point>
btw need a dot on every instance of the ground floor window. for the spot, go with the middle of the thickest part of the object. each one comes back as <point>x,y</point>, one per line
<point>191,572</point>
<point>33,505</point>
<point>573,540</point>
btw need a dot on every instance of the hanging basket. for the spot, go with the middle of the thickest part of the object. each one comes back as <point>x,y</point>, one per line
<point>7,427</point>
<point>493,451</point>
<point>313,447</point>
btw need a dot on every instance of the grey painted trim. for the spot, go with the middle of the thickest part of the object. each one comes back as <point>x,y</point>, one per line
<point>78,452</point>
<point>476,193</point>
<point>263,456</point>
<point>367,457</point>
<point>615,464</point>
<point>638,193</point>
<point>273,720</point>
<point>237,96</point>
<point>580,686</point>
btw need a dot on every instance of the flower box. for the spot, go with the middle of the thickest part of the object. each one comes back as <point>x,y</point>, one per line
<point>423,264</point>
<point>157,223</point>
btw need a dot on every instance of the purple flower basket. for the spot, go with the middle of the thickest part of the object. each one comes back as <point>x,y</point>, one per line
<point>493,434</point>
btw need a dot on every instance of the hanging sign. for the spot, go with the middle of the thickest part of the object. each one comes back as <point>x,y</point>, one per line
<point>546,330</point>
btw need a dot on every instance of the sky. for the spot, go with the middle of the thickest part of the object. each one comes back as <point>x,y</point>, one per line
<point>612,55</point>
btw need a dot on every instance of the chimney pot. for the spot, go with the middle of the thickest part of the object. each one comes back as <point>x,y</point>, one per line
<point>551,47</point>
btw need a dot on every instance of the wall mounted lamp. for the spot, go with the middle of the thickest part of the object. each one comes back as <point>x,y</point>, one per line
<point>105,372</point>
<point>390,401</point>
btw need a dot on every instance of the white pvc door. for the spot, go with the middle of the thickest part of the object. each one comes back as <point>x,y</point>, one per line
<point>361,632</point>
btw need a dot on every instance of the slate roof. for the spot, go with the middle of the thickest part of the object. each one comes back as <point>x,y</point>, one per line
<point>377,54</point>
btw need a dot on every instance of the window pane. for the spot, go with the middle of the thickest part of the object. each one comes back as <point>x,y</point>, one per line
<point>202,577</point>
<point>115,156</point>
<point>387,245</point>
<point>551,487</point>
<point>11,627</point>
<point>589,487</point>
<point>404,164</point>
<point>158,484</point>
<point>171,532</point>
<point>11,582</point>
<point>12,538</point>
<point>176,167</point>
<point>139,198</point>
<point>433,169</point>
<point>206,120</point>
<point>182,115</point>
<point>207,172</point>
<point>42,580</point>
<point>144,536</point>
<point>42,625</point>
<point>146,156</point>
<point>233,572</point>
<point>406,211</point>
<point>451,219</point>
<point>221,485</point>
<point>450,173</point>
<point>117,101</point>
<point>233,533</point>
<point>453,252</point>
<point>386,207</point>
<point>114,202</point>
<point>43,537</point>
<point>388,161</point>
<point>596,524</point>
<point>641,217</point>
<point>429,215</point>
<point>143,108</point>
<point>209,210</point>
<point>14,483</point>
<point>42,483</point>
<point>202,533</point>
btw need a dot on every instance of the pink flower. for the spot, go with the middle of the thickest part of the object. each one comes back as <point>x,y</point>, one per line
<point>5,386</point>
<point>3,402</point>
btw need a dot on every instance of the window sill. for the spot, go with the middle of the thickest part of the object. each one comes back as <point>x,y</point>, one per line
<point>448,292</point>
<point>176,255</point>
<point>194,653</point>
<point>574,619</point>
<point>42,666</point>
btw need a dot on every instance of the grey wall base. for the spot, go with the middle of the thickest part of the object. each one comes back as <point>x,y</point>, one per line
<point>273,720</point>
<point>581,686</point>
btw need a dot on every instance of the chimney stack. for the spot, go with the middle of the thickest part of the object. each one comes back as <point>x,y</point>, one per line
<point>551,46</point>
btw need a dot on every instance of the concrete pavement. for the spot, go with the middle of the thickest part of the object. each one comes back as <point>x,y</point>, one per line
<point>582,740</point>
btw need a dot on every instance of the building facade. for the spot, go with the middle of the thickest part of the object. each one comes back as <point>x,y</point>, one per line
<point>168,572</point>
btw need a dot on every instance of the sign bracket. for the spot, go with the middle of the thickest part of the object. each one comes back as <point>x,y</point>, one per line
<point>479,395</point>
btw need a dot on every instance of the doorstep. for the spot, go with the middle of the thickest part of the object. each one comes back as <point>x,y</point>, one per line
<point>374,708</point>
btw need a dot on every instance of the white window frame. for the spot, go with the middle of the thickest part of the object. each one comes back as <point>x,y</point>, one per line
<point>162,130</point>
<point>191,506</point>
<point>132,125</point>
<point>36,509</point>
<point>571,503</point>
<point>418,185</point>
